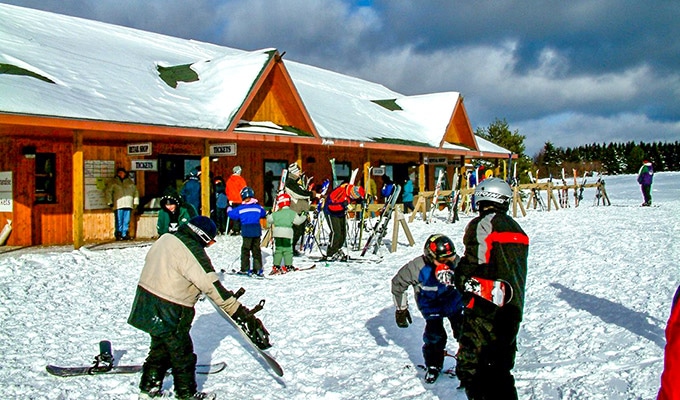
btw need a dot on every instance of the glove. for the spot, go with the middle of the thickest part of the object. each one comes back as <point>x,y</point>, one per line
<point>252,327</point>
<point>403,318</point>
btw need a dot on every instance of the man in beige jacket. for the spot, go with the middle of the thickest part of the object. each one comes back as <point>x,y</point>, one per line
<point>122,196</point>
<point>176,271</point>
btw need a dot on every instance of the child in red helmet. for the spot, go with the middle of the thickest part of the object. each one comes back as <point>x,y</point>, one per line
<point>282,221</point>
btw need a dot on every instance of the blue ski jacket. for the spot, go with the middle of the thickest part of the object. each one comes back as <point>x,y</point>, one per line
<point>434,299</point>
<point>249,214</point>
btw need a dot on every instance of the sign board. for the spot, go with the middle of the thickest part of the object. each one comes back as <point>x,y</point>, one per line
<point>435,160</point>
<point>97,174</point>
<point>139,149</point>
<point>6,198</point>
<point>456,162</point>
<point>144,165</point>
<point>224,149</point>
<point>378,171</point>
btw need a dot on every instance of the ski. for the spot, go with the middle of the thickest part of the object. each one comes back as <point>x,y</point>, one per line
<point>312,230</point>
<point>244,275</point>
<point>380,229</point>
<point>435,196</point>
<point>454,199</point>
<point>259,353</point>
<point>268,237</point>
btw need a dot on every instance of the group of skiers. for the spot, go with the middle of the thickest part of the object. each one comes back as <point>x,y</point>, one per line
<point>481,294</point>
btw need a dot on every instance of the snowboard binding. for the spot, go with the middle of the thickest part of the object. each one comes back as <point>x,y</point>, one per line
<point>103,362</point>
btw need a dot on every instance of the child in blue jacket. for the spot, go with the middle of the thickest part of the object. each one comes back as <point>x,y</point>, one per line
<point>249,214</point>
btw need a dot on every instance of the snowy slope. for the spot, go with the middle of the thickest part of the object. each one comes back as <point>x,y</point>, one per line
<point>599,289</point>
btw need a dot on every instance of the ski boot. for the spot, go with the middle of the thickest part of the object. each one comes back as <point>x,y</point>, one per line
<point>431,375</point>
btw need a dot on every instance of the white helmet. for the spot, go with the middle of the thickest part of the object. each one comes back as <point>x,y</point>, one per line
<point>495,191</point>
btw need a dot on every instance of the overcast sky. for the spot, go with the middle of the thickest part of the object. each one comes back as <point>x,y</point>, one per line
<point>569,72</point>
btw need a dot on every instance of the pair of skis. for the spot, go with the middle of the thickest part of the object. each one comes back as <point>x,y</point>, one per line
<point>380,229</point>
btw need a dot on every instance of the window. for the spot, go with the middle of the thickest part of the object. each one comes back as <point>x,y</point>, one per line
<point>272,177</point>
<point>45,178</point>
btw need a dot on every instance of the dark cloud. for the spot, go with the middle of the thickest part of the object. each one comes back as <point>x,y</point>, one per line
<point>569,72</point>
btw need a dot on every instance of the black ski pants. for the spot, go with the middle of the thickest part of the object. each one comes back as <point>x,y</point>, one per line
<point>251,245</point>
<point>174,351</point>
<point>338,234</point>
<point>435,339</point>
<point>488,344</point>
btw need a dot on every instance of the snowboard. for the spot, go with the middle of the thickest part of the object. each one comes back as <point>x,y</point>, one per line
<point>268,360</point>
<point>498,292</point>
<point>56,370</point>
<point>104,364</point>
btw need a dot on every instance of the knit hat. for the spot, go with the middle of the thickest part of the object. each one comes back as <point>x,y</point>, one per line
<point>204,227</point>
<point>237,170</point>
<point>294,170</point>
<point>355,192</point>
<point>283,200</point>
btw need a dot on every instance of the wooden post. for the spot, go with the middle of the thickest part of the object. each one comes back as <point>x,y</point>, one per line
<point>78,189</point>
<point>517,200</point>
<point>399,219</point>
<point>205,180</point>
<point>421,205</point>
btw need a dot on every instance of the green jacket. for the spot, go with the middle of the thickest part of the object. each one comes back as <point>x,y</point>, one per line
<point>163,225</point>
<point>283,221</point>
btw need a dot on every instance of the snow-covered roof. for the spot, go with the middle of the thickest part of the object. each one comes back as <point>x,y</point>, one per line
<point>81,69</point>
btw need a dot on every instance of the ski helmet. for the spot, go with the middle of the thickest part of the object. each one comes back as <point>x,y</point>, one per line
<point>204,227</point>
<point>237,170</point>
<point>283,200</point>
<point>438,247</point>
<point>247,193</point>
<point>495,192</point>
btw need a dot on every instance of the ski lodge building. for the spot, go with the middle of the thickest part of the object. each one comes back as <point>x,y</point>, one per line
<point>80,98</point>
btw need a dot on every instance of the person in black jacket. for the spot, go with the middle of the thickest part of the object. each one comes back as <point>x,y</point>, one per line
<point>176,271</point>
<point>492,277</point>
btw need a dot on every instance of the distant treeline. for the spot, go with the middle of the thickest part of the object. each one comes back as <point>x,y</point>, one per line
<point>612,158</point>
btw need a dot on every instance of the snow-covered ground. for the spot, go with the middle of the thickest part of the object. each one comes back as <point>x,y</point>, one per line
<point>600,285</point>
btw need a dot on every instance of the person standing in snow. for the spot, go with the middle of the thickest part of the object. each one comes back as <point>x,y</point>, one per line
<point>235,184</point>
<point>176,271</point>
<point>431,276</point>
<point>407,195</point>
<point>645,179</point>
<point>172,214</point>
<point>122,196</point>
<point>191,190</point>
<point>248,215</point>
<point>496,249</point>
<point>284,220</point>
<point>335,209</point>
<point>299,201</point>
<point>221,204</point>
<point>670,377</point>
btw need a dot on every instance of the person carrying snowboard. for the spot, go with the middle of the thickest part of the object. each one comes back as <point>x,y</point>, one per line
<point>176,271</point>
<point>431,276</point>
<point>496,251</point>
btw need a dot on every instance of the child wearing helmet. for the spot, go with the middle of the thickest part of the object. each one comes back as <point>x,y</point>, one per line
<point>248,215</point>
<point>431,276</point>
<point>496,250</point>
<point>283,220</point>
